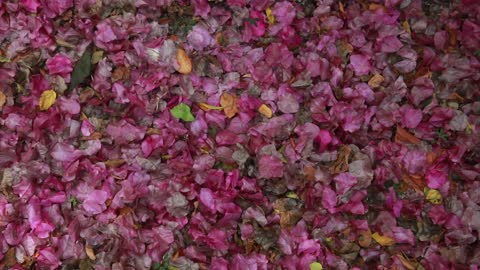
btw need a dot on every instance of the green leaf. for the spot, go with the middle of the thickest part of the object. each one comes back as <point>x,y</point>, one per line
<point>83,69</point>
<point>183,112</point>
<point>477,53</point>
<point>316,266</point>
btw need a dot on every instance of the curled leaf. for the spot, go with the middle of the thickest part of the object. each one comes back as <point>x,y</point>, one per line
<point>184,62</point>
<point>383,240</point>
<point>265,110</point>
<point>229,102</point>
<point>47,99</point>
<point>208,107</point>
<point>182,111</point>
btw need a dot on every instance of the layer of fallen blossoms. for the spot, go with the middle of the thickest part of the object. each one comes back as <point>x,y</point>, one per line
<point>239,134</point>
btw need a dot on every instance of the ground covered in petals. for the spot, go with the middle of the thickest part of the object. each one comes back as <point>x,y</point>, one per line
<point>239,134</point>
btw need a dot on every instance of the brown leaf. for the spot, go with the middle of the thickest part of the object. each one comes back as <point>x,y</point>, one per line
<point>3,99</point>
<point>114,163</point>
<point>229,102</point>
<point>414,181</point>
<point>120,73</point>
<point>309,172</point>
<point>365,239</point>
<point>184,62</point>
<point>403,136</point>
<point>341,163</point>
<point>376,80</point>
<point>408,264</point>
<point>290,211</point>
<point>96,135</point>
<point>9,259</point>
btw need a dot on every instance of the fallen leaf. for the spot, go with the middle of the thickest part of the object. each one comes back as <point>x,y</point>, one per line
<point>270,16</point>
<point>47,99</point>
<point>403,135</point>
<point>229,102</point>
<point>290,211</point>
<point>265,110</point>
<point>292,195</point>
<point>182,111</point>
<point>433,196</point>
<point>409,265</point>
<point>97,56</point>
<point>406,26</point>
<point>9,259</point>
<point>365,239</point>
<point>65,44</point>
<point>4,59</point>
<point>90,253</point>
<point>114,163</point>
<point>376,80</point>
<point>383,240</point>
<point>341,7</point>
<point>208,107</point>
<point>82,69</point>
<point>120,73</point>
<point>309,172</point>
<point>414,181</point>
<point>316,266</point>
<point>184,62</point>
<point>3,99</point>
<point>341,163</point>
<point>374,6</point>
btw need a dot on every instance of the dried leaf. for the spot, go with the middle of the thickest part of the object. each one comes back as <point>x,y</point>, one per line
<point>63,43</point>
<point>414,181</point>
<point>83,69</point>
<point>365,239</point>
<point>309,172</point>
<point>290,211</point>
<point>229,102</point>
<point>97,56</point>
<point>383,240</point>
<point>9,259</point>
<point>90,253</point>
<point>409,265</point>
<point>341,7</point>
<point>208,107</point>
<point>406,137</point>
<point>4,59</point>
<point>182,111</point>
<point>376,80</point>
<point>47,99</point>
<point>184,62</point>
<point>433,196</point>
<point>120,73</point>
<point>265,110</point>
<point>3,99</point>
<point>114,163</point>
<point>270,16</point>
<point>406,26</point>
<point>341,163</point>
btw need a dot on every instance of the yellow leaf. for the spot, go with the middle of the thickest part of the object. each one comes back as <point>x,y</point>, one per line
<point>270,16</point>
<point>47,99</point>
<point>316,266</point>
<point>266,111</point>
<point>292,195</point>
<point>376,80</point>
<point>90,253</point>
<point>184,62</point>
<point>208,107</point>
<point>383,239</point>
<point>229,102</point>
<point>409,265</point>
<point>3,99</point>
<point>406,26</point>
<point>433,196</point>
